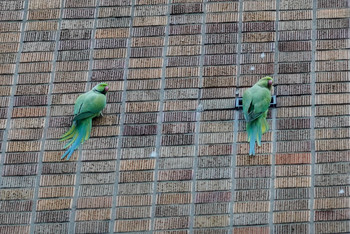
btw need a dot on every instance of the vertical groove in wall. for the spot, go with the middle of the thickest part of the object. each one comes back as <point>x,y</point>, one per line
<point>273,167</point>
<point>160,118</point>
<point>313,112</point>
<point>239,44</point>
<point>274,121</point>
<point>233,166</point>
<point>47,120</point>
<point>121,122</point>
<point>13,89</point>
<point>199,110</point>
<point>72,222</point>
<point>236,114</point>
<point>92,46</point>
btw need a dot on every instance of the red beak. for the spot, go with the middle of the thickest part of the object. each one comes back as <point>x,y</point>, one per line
<point>105,90</point>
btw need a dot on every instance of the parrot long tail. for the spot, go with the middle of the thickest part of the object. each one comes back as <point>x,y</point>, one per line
<point>255,129</point>
<point>78,133</point>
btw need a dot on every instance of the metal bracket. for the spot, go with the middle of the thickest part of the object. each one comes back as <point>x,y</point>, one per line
<point>239,102</point>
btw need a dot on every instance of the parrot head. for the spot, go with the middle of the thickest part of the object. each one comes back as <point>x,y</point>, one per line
<point>101,88</point>
<point>265,82</point>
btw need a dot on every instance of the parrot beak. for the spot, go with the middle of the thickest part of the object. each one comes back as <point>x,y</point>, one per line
<point>270,83</point>
<point>105,90</point>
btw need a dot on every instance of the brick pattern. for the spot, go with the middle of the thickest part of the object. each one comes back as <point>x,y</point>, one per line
<point>293,183</point>
<point>170,153</point>
<point>332,58</point>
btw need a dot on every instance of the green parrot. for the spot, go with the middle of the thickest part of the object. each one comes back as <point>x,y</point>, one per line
<point>256,101</point>
<point>87,106</point>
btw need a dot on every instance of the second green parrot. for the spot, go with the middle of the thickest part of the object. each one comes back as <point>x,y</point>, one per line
<point>256,101</point>
<point>87,106</point>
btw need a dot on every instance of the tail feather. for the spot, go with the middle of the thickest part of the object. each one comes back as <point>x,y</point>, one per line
<point>69,133</point>
<point>252,136</point>
<point>264,125</point>
<point>258,133</point>
<point>72,141</point>
<point>255,129</point>
<point>71,149</point>
<point>87,136</point>
<point>79,133</point>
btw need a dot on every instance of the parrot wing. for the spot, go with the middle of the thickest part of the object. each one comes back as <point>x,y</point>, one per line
<point>84,115</point>
<point>247,102</point>
<point>256,101</point>
<point>89,105</point>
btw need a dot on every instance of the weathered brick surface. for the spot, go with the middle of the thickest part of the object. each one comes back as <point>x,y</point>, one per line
<point>170,154</point>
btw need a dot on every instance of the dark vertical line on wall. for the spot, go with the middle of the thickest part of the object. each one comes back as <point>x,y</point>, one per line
<point>273,168</point>
<point>239,43</point>
<point>13,90</point>
<point>47,122</point>
<point>160,118</point>
<point>233,166</point>
<point>274,121</point>
<point>236,115</point>
<point>79,163</point>
<point>92,46</point>
<point>121,122</point>
<point>199,110</point>
<point>313,113</point>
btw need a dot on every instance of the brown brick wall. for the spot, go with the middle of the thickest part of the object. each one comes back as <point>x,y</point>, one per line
<point>170,154</point>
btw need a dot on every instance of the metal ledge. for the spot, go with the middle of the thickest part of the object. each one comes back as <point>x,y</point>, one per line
<point>239,102</point>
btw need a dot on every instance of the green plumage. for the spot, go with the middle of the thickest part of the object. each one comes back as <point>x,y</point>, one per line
<point>87,106</point>
<point>256,101</point>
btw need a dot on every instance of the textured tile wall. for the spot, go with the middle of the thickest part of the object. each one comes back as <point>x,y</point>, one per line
<point>170,153</point>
